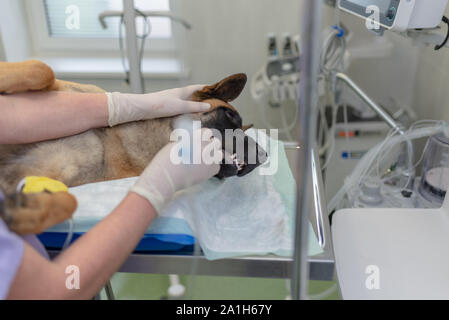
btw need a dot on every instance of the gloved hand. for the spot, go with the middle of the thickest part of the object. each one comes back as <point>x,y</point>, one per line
<point>125,107</point>
<point>163,177</point>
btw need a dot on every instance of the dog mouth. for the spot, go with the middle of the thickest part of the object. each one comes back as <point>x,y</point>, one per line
<point>253,157</point>
<point>242,153</point>
<point>239,164</point>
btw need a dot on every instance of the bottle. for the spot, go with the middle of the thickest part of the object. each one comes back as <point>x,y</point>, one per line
<point>273,52</point>
<point>287,45</point>
<point>297,44</point>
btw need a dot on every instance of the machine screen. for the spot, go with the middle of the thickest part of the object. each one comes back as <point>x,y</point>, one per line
<point>384,5</point>
<point>387,9</point>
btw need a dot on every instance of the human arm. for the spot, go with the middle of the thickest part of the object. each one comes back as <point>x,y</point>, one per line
<point>36,116</point>
<point>100,252</point>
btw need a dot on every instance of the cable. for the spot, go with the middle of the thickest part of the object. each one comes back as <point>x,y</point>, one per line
<point>332,59</point>
<point>270,125</point>
<point>288,127</point>
<point>147,29</point>
<point>329,147</point>
<point>333,51</point>
<point>438,47</point>
<point>146,33</point>
<point>69,237</point>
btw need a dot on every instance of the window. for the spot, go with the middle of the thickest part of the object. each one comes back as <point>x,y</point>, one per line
<point>61,25</point>
<point>60,16</point>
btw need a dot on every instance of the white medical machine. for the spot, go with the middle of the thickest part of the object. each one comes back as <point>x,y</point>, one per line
<point>390,227</point>
<point>398,15</point>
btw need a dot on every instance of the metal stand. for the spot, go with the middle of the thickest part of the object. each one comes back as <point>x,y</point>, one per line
<point>307,104</point>
<point>135,79</point>
<point>374,106</point>
<point>109,291</point>
<point>409,173</point>
<point>129,16</point>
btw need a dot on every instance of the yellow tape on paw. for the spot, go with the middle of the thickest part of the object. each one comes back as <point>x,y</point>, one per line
<point>41,184</point>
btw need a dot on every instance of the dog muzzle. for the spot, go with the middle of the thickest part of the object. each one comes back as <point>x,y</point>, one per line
<point>245,155</point>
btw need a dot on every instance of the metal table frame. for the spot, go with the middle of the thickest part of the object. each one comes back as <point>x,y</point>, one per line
<point>321,266</point>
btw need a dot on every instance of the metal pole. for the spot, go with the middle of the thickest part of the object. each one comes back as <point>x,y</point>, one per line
<point>307,106</point>
<point>109,292</point>
<point>131,46</point>
<point>407,162</point>
<point>374,106</point>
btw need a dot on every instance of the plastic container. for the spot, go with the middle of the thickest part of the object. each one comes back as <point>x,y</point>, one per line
<point>435,173</point>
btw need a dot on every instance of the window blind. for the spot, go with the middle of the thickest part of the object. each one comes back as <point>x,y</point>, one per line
<point>79,18</point>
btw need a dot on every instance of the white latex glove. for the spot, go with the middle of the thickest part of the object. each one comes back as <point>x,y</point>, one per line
<point>124,107</point>
<point>162,178</point>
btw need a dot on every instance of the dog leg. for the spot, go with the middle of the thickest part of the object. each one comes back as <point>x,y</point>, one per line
<point>25,76</point>
<point>35,75</point>
<point>34,213</point>
<point>61,85</point>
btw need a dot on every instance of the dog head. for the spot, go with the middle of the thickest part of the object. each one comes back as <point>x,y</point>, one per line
<point>224,117</point>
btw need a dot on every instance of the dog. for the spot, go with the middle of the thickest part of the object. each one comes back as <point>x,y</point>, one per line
<point>99,154</point>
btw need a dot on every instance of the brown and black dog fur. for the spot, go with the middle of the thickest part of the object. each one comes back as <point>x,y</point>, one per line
<point>95,155</point>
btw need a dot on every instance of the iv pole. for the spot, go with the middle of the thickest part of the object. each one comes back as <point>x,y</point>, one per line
<point>129,18</point>
<point>307,115</point>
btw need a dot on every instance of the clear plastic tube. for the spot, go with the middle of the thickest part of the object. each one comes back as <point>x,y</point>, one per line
<point>371,161</point>
<point>288,127</point>
<point>329,146</point>
<point>268,124</point>
<point>332,58</point>
<point>69,237</point>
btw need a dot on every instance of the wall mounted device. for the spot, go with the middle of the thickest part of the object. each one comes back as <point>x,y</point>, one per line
<point>398,15</point>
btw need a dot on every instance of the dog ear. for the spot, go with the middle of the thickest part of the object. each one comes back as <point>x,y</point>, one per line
<point>227,89</point>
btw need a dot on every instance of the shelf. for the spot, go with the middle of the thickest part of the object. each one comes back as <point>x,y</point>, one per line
<point>321,266</point>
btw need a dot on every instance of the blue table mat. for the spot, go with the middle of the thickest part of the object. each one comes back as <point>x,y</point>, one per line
<point>149,242</point>
<point>164,234</point>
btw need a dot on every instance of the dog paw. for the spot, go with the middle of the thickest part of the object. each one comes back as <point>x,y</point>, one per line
<point>34,213</point>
